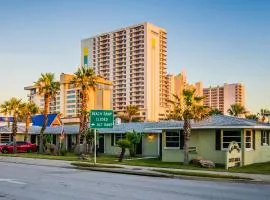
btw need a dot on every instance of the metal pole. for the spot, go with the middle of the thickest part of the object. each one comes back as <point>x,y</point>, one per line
<point>95,146</point>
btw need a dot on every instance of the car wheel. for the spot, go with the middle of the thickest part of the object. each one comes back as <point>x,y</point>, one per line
<point>29,151</point>
<point>5,151</point>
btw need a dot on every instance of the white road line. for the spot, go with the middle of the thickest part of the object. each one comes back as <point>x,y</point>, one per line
<point>11,181</point>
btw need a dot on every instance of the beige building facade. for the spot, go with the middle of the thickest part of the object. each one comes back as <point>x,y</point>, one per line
<point>67,101</point>
<point>223,97</point>
<point>134,58</point>
<point>177,83</point>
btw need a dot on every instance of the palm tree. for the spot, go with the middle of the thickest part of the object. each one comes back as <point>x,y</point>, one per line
<point>131,111</point>
<point>215,111</point>
<point>84,79</point>
<point>177,112</point>
<point>192,109</point>
<point>5,109</point>
<point>264,113</point>
<point>252,117</point>
<point>47,87</point>
<point>236,110</point>
<point>29,109</point>
<point>15,108</point>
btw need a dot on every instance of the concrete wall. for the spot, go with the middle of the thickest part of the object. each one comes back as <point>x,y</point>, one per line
<point>150,145</point>
<point>260,154</point>
<point>203,140</point>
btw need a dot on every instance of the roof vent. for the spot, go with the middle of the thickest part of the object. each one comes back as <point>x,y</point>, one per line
<point>117,121</point>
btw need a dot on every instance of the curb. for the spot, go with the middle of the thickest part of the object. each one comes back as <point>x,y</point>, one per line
<point>143,173</point>
<point>164,175</point>
<point>129,172</point>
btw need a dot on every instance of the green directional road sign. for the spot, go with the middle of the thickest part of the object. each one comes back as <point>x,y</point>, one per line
<point>101,119</point>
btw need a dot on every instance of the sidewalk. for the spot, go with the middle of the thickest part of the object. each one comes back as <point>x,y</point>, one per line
<point>139,170</point>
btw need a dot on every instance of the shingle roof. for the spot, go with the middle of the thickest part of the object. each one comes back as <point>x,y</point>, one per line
<point>6,129</point>
<point>126,127</point>
<point>215,121</point>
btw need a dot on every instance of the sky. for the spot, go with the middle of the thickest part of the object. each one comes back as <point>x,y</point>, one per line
<point>215,41</point>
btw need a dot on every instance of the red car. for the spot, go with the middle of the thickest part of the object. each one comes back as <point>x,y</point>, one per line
<point>21,146</point>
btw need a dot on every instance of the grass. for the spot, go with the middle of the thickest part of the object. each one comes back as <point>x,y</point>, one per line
<point>258,168</point>
<point>68,157</point>
<point>110,159</point>
<point>199,174</point>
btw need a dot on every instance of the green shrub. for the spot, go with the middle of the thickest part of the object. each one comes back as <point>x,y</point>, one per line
<point>63,152</point>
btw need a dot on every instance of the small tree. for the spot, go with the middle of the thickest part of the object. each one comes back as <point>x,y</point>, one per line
<point>252,116</point>
<point>215,111</point>
<point>29,109</point>
<point>264,113</point>
<point>134,138</point>
<point>123,144</point>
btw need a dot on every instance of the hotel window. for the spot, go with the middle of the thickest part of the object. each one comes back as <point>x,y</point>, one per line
<point>248,140</point>
<point>229,136</point>
<point>265,138</point>
<point>71,96</point>
<point>71,101</point>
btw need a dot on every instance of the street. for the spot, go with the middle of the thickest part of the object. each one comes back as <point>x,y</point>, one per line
<point>26,182</point>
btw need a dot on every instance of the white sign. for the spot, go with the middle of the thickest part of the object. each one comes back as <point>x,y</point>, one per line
<point>233,155</point>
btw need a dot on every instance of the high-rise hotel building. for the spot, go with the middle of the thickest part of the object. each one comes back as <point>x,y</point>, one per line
<point>67,102</point>
<point>135,60</point>
<point>223,97</point>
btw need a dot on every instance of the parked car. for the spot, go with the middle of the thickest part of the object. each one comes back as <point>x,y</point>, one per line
<point>22,147</point>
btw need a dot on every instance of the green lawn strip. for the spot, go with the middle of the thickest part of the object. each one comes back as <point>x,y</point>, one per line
<point>85,164</point>
<point>258,168</point>
<point>198,174</point>
<point>69,157</point>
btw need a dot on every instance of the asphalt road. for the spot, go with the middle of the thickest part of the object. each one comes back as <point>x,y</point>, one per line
<point>27,182</point>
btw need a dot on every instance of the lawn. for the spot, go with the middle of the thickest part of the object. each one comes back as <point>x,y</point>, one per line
<point>108,159</point>
<point>259,168</point>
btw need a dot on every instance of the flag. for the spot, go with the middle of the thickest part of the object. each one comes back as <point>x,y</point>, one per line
<point>62,134</point>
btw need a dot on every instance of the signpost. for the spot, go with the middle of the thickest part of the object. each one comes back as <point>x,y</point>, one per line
<point>100,119</point>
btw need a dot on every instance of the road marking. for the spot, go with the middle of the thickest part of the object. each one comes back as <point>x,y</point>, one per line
<point>11,181</point>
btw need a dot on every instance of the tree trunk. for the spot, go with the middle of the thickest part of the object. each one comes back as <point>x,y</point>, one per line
<point>26,129</point>
<point>122,154</point>
<point>83,121</point>
<point>45,122</point>
<point>187,130</point>
<point>14,133</point>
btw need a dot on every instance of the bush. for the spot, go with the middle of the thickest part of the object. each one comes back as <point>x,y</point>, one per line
<point>63,152</point>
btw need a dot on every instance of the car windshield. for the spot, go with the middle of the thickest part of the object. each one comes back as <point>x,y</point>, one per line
<point>10,143</point>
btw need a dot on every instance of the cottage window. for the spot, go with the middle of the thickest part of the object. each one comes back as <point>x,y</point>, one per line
<point>264,138</point>
<point>116,137</point>
<point>248,140</point>
<point>229,136</point>
<point>173,139</point>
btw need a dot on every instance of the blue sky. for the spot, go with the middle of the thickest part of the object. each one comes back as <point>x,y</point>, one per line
<point>215,41</point>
